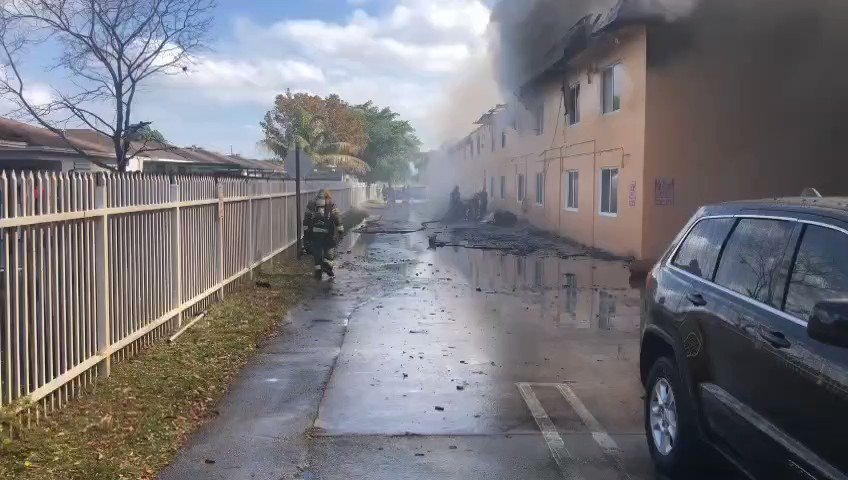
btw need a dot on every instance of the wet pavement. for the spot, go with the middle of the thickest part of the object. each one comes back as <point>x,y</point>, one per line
<point>447,363</point>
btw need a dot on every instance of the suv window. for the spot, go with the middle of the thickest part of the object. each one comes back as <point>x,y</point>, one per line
<point>699,252</point>
<point>752,257</point>
<point>820,271</point>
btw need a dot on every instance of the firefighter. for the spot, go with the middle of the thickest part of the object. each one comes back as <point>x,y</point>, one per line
<point>323,232</point>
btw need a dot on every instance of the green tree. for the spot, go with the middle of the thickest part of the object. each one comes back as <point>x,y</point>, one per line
<point>297,126</point>
<point>328,129</point>
<point>392,144</point>
<point>152,135</point>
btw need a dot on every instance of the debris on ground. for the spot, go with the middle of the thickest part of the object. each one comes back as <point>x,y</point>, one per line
<point>502,218</point>
<point>440,409</point>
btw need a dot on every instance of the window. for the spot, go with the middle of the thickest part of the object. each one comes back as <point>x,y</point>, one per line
<point>611,96</point>
<point>540,188</point>
<point>540,119</point>
<point>574,105</point>
<point>820,271</point>
<point>572,193</point>
<point>609,191</point>
<point>503,187</point>
<point>752,257</point>
<point>699,252</point>
<point>503,139</point>
<point>492,187</point>
<point>520,188</point>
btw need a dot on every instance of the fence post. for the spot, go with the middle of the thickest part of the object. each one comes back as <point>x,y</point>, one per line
<point>176,250</point>
<point>250,235</point>
<point>270,219</point>
<point>102,293</point>
<point>219,234</point>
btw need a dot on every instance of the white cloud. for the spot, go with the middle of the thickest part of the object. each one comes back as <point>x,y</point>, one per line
<point>405,57</point>
<point>38,94</point>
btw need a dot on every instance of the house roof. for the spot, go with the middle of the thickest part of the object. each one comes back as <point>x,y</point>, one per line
<point>14,134</point>
<point>21,135</point>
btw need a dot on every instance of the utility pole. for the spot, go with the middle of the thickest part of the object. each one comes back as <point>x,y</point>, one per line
<point>297,202</point>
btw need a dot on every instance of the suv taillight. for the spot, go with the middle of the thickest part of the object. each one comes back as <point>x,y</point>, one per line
<point>651,280</point>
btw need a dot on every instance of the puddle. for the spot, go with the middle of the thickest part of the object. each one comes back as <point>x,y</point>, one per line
<point>578,292</point>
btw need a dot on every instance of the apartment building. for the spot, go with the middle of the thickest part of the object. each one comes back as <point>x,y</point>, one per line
<point>618,142</point>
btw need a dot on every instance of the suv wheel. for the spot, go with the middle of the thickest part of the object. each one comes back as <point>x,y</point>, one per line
<point>669,421</point>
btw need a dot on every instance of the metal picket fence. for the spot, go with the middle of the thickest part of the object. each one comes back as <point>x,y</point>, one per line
<point>94,266</point>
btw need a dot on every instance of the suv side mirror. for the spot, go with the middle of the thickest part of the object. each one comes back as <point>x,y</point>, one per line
<point>829,322</point>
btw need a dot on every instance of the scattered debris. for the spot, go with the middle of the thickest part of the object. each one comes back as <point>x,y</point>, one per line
<point>440,409</point>
<point>415,332</point>
<point>460,387</point>
<point>502,218</point>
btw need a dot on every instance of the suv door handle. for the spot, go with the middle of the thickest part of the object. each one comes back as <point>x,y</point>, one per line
<point>776,339</point>
<point>696,299</point>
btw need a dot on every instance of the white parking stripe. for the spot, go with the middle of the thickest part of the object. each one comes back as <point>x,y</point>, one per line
<point>563,458</point>
<point>602,438</point>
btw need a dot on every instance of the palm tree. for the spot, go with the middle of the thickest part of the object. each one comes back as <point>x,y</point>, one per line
<point>308,131</point>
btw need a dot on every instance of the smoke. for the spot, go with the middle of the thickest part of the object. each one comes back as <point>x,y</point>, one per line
<point>529,33</point>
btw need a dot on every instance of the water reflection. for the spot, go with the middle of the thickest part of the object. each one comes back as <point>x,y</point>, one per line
<point>576,292</point>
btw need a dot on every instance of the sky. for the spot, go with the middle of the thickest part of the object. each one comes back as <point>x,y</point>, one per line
<point>405,54</point>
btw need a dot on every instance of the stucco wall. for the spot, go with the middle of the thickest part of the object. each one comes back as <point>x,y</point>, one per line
<point>728,128</point>
<point>599,140</point>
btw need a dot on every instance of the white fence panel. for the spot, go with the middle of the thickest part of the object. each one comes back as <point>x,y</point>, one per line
<point>96,266</point>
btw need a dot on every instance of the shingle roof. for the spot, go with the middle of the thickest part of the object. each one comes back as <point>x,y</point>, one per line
<point>19,132</point>
<point>98,144</point>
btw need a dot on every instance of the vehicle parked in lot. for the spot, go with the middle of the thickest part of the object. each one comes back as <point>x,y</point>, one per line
<point>745,340</point>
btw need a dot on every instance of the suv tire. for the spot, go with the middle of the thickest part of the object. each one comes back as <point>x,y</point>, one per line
<point>669,419</point>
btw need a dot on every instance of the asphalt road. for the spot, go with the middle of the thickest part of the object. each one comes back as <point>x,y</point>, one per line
<point>447,363</point>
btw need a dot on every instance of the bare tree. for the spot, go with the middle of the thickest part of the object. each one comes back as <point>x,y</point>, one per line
<point>108,49</point>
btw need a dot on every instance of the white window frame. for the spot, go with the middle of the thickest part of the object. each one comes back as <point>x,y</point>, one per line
<point>540,188</point>
<point>601,192</point>
<point>520,187</point>
<point>610,69</point>
<point>568,187</point>
<point>575,105</point>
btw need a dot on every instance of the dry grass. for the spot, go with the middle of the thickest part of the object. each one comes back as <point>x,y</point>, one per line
<point>133,423</point>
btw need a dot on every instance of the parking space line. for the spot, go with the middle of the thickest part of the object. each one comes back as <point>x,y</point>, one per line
<point>602,438</point>
<point>563,458</point>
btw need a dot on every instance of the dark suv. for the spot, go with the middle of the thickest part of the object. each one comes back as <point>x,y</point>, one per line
<point>745,341</point>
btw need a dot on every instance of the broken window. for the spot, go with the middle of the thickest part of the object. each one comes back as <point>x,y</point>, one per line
<point>540,188</point>
<point>574,105</point>
<point>611,96</point>
<point>609,191</point>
